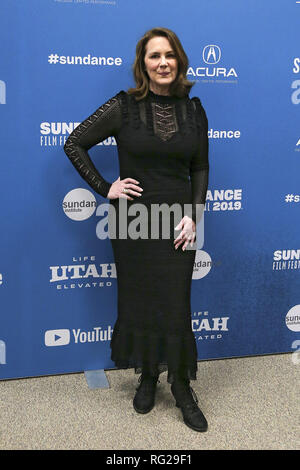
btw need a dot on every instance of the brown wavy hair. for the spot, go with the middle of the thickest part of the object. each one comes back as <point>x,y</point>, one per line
<point>180,86</point>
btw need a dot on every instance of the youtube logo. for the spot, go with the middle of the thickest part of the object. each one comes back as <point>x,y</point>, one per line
<point>57,337</point>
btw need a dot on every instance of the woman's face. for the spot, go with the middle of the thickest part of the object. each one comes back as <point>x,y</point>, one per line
<point>160,63</point>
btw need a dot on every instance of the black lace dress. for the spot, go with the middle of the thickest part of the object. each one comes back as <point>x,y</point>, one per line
<point>162,142</point>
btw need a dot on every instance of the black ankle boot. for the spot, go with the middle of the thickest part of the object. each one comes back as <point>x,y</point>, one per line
<point>144,399</point>
<point>187,400</point>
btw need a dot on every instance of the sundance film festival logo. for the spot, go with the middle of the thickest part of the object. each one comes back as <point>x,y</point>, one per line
<point>286,259</point>
<point>224,200</point>
<point>213,71</point>
<point>53,134</point>
<point>296,68</point>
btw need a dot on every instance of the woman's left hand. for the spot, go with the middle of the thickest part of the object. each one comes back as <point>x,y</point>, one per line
<point>187,234</point>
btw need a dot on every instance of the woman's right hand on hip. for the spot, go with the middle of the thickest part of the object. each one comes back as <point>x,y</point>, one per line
<point>116,189</point>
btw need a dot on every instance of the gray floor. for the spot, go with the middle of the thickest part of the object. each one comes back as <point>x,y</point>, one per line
<point>250,403</point>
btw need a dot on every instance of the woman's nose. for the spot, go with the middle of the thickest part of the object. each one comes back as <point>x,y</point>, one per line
<point>163,61</point>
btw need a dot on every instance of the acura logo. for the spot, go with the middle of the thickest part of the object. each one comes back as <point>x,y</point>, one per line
<point>211,54</point>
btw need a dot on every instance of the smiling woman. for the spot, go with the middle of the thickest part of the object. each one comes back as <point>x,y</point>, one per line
<point>162,140</point>
<point>159,51</point>
<point>160,64</point>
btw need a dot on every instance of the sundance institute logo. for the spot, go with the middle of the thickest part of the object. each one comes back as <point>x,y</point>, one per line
<point>292,318</point>
<point>79,204</point>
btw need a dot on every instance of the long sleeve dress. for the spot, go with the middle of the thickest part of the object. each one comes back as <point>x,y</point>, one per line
<point>162,142</point>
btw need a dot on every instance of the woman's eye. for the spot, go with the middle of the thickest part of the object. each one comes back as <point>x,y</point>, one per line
<point>155,56</point>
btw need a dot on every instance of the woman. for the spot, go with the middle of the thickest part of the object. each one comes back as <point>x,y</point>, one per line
<point>162,142</point>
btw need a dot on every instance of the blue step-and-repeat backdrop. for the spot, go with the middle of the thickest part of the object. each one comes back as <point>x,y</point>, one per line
<point>59,61</point>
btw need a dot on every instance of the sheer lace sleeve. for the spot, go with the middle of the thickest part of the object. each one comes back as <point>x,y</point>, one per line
<point>199,168</point>
<point>103,123</point>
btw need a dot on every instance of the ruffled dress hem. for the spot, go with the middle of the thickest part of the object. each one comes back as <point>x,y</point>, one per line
<point>156,352</point>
